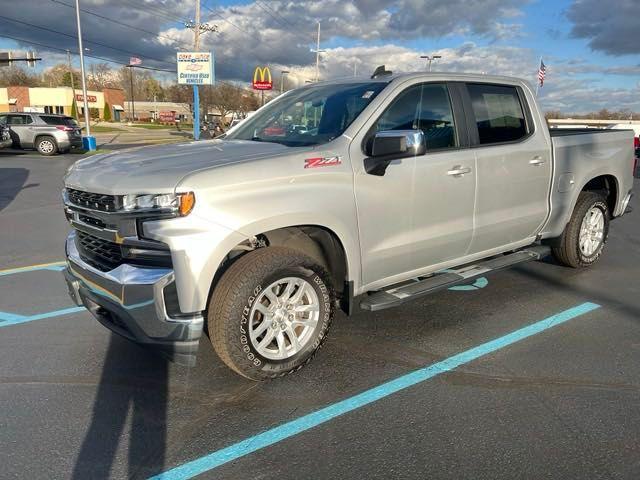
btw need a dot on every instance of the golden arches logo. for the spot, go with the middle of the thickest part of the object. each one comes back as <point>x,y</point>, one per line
<point>262,78</point>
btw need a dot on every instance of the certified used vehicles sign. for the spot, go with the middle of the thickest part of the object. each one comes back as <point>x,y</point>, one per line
<point>195,68</point>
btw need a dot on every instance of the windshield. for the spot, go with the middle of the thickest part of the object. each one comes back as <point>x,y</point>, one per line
<point>309,116</point>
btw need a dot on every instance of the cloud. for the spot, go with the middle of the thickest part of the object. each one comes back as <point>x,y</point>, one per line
<point>280,33</point>
<point>610,27</point>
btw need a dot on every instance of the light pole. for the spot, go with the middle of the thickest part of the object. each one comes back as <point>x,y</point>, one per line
<point>430,59</point>
<point>282,75</point>
<point>88,141</point>
<point>317,51</point>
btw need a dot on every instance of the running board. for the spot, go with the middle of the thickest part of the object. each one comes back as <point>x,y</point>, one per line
<point>404,292</point>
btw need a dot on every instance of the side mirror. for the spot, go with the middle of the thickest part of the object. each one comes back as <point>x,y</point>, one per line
<point>391,145</point>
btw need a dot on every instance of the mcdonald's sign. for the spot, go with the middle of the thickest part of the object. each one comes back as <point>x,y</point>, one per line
<point>262,79</point>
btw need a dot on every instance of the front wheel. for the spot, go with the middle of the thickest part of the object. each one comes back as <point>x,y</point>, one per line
<point>270,312</point>
<point>584,237</point>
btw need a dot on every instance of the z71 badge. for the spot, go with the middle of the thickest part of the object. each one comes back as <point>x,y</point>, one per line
<point>322,162</point>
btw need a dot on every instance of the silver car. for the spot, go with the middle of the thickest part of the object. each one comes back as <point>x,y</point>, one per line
<point>47,133</point>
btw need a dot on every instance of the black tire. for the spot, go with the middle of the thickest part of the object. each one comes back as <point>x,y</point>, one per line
<point>46,146</point>
<point>240,288</point>
<point>568,252</point>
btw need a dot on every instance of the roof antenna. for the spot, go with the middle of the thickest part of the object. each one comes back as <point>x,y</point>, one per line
<point>381,71</point>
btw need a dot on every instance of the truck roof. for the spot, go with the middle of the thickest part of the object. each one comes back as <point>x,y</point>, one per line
<point>474,77</point>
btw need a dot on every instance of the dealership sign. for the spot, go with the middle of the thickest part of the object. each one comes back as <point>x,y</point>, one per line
<point>195,68</point>
<point>262,79</point>
<point>167,117</point>
<point>90,98</point>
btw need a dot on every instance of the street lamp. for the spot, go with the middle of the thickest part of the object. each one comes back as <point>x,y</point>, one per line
<point>430,59</point>
<point>282,74</point>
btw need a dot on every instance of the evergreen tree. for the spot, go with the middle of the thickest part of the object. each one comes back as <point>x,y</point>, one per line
<point>107,112</point>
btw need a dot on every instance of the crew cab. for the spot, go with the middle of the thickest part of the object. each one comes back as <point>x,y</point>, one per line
<point>396,187</point>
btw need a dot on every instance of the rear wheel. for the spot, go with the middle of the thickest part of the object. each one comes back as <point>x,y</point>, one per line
<point>270,312</point>
<point>46,146</point>
<point>584,237</point>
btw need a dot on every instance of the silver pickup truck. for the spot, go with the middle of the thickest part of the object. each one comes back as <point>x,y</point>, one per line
<point>368,192</point>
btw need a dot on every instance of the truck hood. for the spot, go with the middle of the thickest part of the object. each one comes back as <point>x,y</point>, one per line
<point>158,169</point>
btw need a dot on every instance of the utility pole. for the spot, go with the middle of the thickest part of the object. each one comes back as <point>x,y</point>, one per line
<point>89,142</point>
<point>73,88</point>
<point>318,52</point>
<point>196,93</point>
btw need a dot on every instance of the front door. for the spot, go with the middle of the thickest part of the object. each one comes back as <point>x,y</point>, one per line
<point>513,159</point>
<point>420,212</point>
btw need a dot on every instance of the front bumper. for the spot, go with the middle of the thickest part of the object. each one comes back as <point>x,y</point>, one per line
<point>130,301</point>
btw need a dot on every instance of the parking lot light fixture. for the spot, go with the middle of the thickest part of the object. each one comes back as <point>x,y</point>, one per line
<point>429,59</point>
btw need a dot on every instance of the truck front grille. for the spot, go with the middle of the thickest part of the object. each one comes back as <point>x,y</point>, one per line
<point>99,253</point>
<point>95,201</point>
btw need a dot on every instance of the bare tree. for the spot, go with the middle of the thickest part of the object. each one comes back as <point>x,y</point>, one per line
<point>18,76</point>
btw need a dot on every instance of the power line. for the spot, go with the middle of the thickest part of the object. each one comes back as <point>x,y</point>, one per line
<point>87,41</point>
<point>118,22</point>
<point>157,12</point>
<point>281,20</point>
<point>225,20</point>
<point>51,47</point>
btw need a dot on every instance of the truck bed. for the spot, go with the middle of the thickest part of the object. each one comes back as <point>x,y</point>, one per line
<point>580,155</point>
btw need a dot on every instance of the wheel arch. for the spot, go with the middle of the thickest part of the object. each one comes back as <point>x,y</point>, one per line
<point>320,242</point>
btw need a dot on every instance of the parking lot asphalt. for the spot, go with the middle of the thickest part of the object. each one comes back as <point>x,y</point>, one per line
<point>533,373</point>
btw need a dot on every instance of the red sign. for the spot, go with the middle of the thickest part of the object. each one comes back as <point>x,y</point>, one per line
<point>90,98</point>
<point>262,79</point>
<point>168,117</point>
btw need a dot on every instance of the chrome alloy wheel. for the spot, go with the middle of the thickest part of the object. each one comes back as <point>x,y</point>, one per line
<point>591,231</point>
<point>46,146</point>
<point>283,318</point>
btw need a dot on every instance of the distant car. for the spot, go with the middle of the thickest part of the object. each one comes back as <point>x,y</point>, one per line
<point>5,137</point>
<point>47,133</point>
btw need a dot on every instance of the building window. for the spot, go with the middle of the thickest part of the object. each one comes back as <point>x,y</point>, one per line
<point>48,109</point>
<point>59,109</point>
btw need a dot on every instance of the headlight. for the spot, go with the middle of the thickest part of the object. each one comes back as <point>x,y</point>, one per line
<point>182,203</point>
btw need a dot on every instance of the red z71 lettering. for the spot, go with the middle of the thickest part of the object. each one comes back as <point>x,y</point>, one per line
<point>322,162</point>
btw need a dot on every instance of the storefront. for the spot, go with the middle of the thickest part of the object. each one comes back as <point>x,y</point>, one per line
<point>60,100</point>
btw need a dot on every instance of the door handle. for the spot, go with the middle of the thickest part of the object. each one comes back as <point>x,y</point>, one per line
<point>536,161</point>
<point>458,171</point>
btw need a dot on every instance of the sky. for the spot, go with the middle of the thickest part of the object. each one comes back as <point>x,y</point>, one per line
<point>590,47</point>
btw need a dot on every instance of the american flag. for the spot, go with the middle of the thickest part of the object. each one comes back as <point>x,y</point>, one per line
<point>135,61</point>
<point>542,71</point>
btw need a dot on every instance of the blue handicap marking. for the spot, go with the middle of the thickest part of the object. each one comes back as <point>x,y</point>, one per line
<point>7,319</point>
<point>477,285</point>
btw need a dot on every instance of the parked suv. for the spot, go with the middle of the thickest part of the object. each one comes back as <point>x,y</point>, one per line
<point>47,133</point>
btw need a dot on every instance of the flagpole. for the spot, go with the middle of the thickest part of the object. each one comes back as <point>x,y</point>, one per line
<point>538,77</point>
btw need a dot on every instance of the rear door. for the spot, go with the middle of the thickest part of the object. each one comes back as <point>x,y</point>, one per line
<point>513,162</point>
<point>21,128</point>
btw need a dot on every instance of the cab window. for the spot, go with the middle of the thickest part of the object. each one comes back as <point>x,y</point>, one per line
<point>498,113</point>
<point>425,107</point>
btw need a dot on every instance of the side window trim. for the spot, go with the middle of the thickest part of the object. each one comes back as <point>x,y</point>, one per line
<point>473,127</point>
